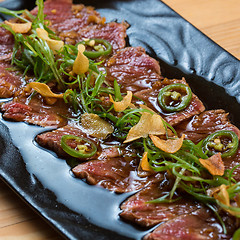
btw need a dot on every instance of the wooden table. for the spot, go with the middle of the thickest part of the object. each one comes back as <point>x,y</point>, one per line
<point>219,19</point>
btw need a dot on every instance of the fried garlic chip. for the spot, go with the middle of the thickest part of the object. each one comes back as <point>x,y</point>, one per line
<point>95,126</point>
<point>214,164</point>
<point>148,124</point>
<point>169,145</point>
<point>144,162</point>
<point>20,27</point>
<point>54,45</point>
<point>122,105</point>
<point>221,194</point>
<point>81,63</point>
<point>43,89</point>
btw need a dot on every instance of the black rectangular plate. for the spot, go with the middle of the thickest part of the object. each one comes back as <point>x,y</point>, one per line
<point>80,211</point>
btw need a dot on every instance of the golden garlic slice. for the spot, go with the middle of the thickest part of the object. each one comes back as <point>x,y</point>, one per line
<point>148,124</point>
<point>169,145</point>
<point>144,162</point>
<point>95,126</point>
<point>54,45</point>
<point>42,89</point>
<point>122,105</point>
<point>81,63</point>
<point>214,164</point>
<point>20,27</point>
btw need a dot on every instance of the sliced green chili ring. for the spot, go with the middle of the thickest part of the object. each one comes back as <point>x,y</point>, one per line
<point>213,144</point>
<point>174,97</point>
<point>95,54</point>
<point>83,150</point>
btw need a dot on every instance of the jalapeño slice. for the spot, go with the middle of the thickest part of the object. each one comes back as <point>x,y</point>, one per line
<point>101,47</point>
<point>224,141</point>
<point>78,147</point>
<point>174,97</point>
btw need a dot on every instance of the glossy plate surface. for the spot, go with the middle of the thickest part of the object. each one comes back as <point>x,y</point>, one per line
<point>80,211</point>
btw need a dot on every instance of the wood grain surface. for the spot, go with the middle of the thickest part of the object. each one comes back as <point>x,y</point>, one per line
<point>218,19</point>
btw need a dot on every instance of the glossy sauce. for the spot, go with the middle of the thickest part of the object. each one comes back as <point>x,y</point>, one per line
<point>96,204</point>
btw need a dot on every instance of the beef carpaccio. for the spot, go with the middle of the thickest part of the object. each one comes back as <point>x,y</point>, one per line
<point>127,127</point>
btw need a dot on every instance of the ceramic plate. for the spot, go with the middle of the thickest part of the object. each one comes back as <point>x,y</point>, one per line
<point>75,209</point>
